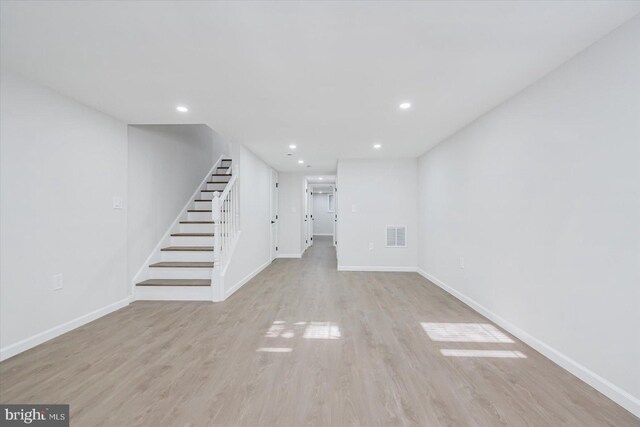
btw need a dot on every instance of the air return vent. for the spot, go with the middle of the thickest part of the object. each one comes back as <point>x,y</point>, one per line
<point>396,236</point>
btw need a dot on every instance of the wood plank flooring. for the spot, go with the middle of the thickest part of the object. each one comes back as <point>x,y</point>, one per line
<point>302,344</point>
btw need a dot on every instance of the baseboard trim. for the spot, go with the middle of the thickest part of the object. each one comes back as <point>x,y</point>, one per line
<point>323,234</point>
<point>234,288</point>
<point>56,331</point>
<point>375,268</point>
<point>613,392</point>
<point>289,256</point>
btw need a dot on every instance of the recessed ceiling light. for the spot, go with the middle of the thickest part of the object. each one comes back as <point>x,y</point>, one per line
<point>405,105</point>
<point>320,192</point>
<point>320,178</point>
<point>377,146</point>
<point>292,146</point>
<point>301,161</point>
<point>182,108</point>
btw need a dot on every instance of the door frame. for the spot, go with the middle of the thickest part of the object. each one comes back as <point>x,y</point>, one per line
<point>273,214</point>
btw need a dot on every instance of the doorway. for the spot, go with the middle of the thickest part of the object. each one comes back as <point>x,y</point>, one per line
<point>320,220</point>
<point>322,211</point>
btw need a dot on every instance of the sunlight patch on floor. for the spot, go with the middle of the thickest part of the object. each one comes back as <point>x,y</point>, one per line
<point>465,332</point>
<point>501,354</point>
<point>307,330</point>
<point>322,331</point>
<point>275,349</point>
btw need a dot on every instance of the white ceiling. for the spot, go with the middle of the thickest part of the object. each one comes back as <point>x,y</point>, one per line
<point>325,75</point>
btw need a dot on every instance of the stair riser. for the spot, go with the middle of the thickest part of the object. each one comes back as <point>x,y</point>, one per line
<point>206,196</point>
<point>191,241</point>
<point>196,228</point>
<point>188,256</point>
<point>202,205</point>
<point>180,273</point>
<point>225,178</point>
<point>174,293</point>
<point>217,187</point>
<point>199,216</point>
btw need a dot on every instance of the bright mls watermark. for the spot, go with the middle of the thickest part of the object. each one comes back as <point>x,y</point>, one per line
<point>34,415</point>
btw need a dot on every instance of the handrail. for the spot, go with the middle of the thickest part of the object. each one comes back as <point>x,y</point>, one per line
<point>225,192</point>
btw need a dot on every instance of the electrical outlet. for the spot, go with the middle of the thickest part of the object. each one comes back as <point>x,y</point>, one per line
<point>371,246</point>
<point>117,202</point>
<point>462,262</point>
<point>57,282</point>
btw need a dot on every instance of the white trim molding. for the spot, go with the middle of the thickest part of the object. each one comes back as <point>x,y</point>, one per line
<point>56,331</point>
<point>613,392</point>
<point>376,268</point>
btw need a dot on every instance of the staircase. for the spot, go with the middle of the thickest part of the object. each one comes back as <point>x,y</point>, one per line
<point>189,262</point>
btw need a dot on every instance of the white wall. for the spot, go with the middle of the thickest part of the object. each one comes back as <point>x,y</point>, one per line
<point>383,192</point>
<point>291,230</point>
<point>541,197</point>
<point>166,165</point>
<point>61,165</point>
<point>253,252</point>
<point>322,218</point>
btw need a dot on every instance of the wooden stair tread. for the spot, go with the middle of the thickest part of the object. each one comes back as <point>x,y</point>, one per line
<point>198,210</point>
<point>188,248</point>
<point>197,222</point>
<point>221,174</point>
<point>175,282</point>
<point>217,182</point>
<point>182,264</point>
<point>222,167</point>
<point>192,234</point>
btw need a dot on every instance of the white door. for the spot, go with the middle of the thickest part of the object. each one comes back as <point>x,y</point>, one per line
<point>334,211</point>
<point>311,217</point>
<point>307,218</point>
<point>274,214</point>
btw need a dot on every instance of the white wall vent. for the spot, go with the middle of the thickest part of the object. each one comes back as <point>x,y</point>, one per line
<point>396,236</point>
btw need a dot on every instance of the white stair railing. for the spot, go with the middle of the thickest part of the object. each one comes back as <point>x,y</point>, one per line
<point>226,218</point>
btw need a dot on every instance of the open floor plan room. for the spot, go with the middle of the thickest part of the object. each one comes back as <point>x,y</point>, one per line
<point>320,213</point>
<point>302,344</point>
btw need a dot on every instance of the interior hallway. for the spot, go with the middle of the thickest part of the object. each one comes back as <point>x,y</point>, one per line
<point>302,344</point>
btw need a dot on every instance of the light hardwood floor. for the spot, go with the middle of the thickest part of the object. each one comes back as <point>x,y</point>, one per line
<point>302,344</point>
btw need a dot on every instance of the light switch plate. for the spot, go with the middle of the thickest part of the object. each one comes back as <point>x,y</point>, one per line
<point>57,282</point>
<point>117,202</point>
